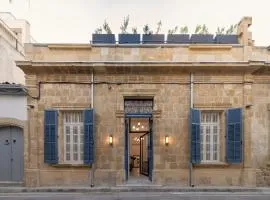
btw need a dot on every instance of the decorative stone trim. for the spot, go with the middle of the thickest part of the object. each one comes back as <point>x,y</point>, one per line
<point>121,113</point>
<point>139,92</point>
<point>12,122</point>
<point>73,106</point>
<point>212,106</point>
<point>248,78</point>
<point>157,113</point>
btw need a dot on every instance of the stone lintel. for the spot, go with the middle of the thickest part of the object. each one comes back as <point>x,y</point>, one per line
<point>71,106</point>
<point>139,93</point>
<point>121,113</point>
<point>213,106</point>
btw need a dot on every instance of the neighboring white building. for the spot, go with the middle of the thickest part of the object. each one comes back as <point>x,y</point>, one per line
<point>14,33</point>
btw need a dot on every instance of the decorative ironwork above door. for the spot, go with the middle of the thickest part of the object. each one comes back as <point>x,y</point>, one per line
<point>138,106</point>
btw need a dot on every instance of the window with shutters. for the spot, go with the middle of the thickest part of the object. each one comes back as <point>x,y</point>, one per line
<point>73,137</point>
<point>210,137</point>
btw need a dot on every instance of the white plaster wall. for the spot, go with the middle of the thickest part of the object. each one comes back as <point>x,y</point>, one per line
<point>10,49</point>
<point>24,32</point>
<point>13,107</point>
<point>8,70</point>
<point>16,24</point>
<point>7,16</point>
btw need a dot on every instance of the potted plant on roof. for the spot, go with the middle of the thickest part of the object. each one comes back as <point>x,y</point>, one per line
<point>150,38</point>
<point>125,37</point>
<point>227,37</point>
<point>202,36</point>
<point>103,38</point>
<point>182,38</point>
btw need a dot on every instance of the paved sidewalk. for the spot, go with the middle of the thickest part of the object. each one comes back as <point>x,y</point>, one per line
<point>76,189</point>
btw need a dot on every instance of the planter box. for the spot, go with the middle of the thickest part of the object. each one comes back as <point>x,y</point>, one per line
<point>202,39</point>
<point>153,38</point>
<point>226,39</point>
<point>178,39</point>
<point>129,38</point>
<point>103,38</point>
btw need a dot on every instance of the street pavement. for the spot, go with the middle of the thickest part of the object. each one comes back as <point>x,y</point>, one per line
<point>137,196</point>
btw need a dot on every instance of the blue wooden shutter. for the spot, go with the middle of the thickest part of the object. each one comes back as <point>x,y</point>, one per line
<point>50,137</point>
<point>234,136</point>
<point>88,116</point>
<point>195,146</point>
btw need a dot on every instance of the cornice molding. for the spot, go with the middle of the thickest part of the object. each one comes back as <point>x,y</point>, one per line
<point>87,66</point>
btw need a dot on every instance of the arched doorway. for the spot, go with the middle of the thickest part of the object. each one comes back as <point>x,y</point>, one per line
<point>11,154</point>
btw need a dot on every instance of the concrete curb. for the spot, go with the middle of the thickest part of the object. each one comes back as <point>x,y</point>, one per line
<point>127,189</point>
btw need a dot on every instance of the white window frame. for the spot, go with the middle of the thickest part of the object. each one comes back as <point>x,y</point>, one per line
<point>209,121</point>
<point>73,120</point>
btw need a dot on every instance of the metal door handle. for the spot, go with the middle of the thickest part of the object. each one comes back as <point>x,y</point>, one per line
<point>6,142</point>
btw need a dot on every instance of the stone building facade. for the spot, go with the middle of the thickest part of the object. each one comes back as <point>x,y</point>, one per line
<point>203,112</point>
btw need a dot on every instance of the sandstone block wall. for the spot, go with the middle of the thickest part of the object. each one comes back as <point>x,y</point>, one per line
<point>260,129</point>
<point>171,95</point>
<point>62,97</point>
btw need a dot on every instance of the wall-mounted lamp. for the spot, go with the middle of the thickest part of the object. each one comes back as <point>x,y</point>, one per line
<point>248,106</point>
<point>111,140</point>
<point>166,140</point>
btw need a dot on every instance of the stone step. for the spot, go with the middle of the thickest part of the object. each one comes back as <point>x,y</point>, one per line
<point>125,188</point>
<point>139,186</point>
<point>10,184</point>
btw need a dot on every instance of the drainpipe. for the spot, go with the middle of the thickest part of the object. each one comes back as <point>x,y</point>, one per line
<point>92,184</point>
<point>191,106</point>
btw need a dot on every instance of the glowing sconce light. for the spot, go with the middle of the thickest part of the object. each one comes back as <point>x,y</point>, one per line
<point>166,140</point>
<point>111,140</point>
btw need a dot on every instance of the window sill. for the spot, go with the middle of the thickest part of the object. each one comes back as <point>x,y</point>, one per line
<point>212,165</point>
<point>71,166</point>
